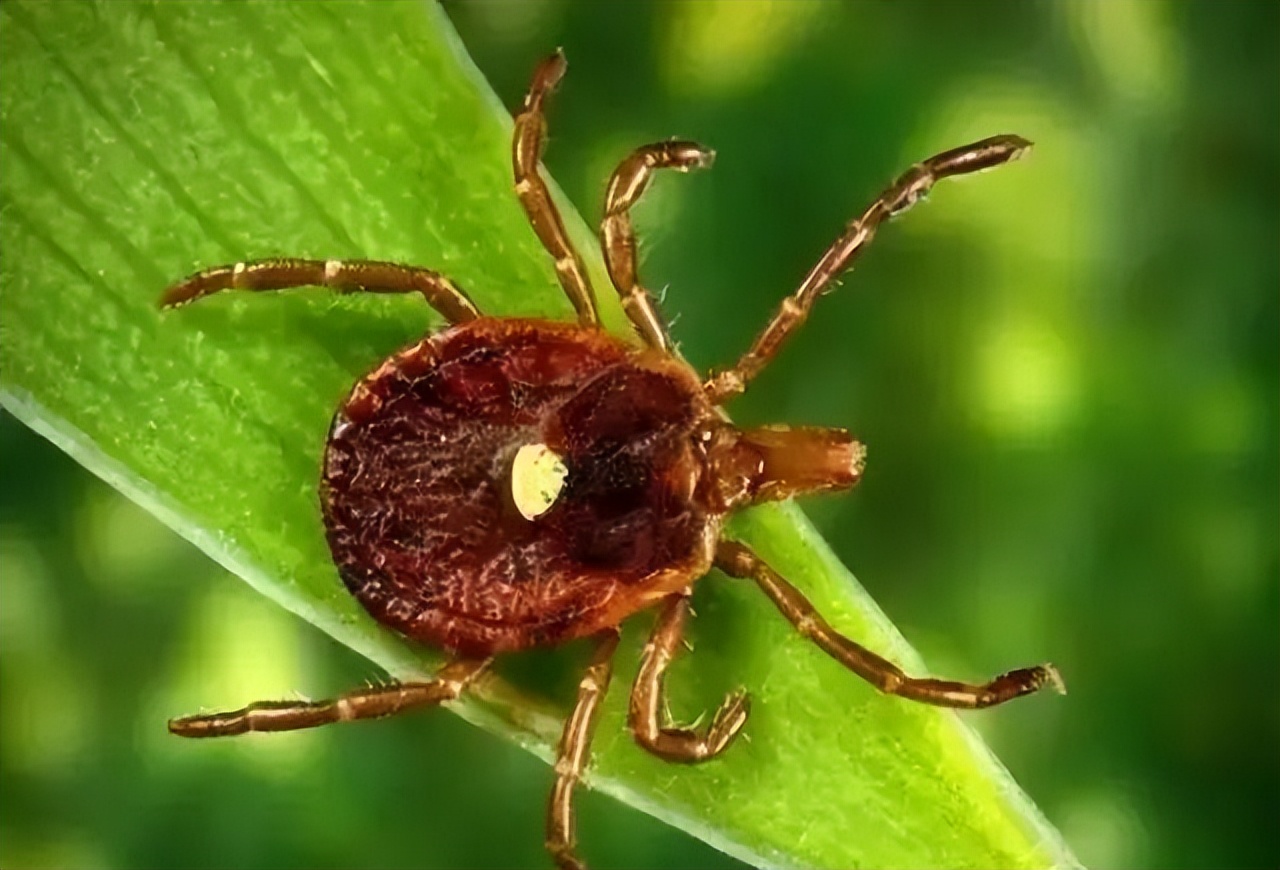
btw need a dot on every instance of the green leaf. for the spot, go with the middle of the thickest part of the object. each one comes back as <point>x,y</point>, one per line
<point>142,141</point>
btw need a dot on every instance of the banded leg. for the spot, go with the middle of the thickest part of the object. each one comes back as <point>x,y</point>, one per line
<point>738,561</point>
<point>618,239</point>
<point>345,276</point>
<point>373,703</point>
<point>645,716</point>
<point>572,754</point>
<point>914,184</point>
<point>526,151</point>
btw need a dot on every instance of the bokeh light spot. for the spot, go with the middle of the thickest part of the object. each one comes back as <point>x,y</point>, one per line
<point>1227,421</point>
<point>45,721</point>
<point>1133,46</point>
<point>1105,828</point>
<point>716,47</point>
<point>27,620</point>
<point>516,23</point>
<point>242,648</point>
<point>67,848</point>
<point>1041,208</point>
<point>1027,228</point>
<point>1028,380</point>
<point>124,546</point>
<point>1229,543</point>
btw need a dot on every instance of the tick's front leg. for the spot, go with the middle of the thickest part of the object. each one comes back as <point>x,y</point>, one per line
<point>737,560</point>
<point>909,189</point>
<point>526,152</point>
<point>618,238</point>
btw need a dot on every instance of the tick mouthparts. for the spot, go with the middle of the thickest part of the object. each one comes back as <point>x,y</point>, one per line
<point>797,460</point>
<point>857,459</point>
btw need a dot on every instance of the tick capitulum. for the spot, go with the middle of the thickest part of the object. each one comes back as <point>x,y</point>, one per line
<point>512,483</point>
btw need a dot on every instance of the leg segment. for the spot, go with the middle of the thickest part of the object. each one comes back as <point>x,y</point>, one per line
<point>645,715</point>
<point>345,276</point>
<point>901,195</point>
<point>571,755</point>
<point>449,682</point>
<point>618,239</point>
<point>738,561</point>
<point>526,151</point>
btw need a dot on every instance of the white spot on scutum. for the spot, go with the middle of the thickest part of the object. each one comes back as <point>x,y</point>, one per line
<point>537,479</point>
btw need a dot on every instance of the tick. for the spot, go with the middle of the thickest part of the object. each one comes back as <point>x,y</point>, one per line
<point>513,483</point>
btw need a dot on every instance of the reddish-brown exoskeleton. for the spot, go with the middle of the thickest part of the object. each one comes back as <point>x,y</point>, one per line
<point>513,483</point>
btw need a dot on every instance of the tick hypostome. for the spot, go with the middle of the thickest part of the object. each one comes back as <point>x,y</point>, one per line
<point>512,483</point>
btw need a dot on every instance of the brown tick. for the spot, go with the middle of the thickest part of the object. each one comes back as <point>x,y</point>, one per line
<point>515,483</point>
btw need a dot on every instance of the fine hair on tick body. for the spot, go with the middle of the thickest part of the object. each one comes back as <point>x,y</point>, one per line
<point>509,483</point>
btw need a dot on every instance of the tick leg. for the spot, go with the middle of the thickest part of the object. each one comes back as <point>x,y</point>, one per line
<point>345,276</point>
<point>645,717</point>
<point>449,682</point>
<point>618,239</point>
<point>526,151</point>
<point>571,756</point>
<point>739,561</point>
<point>901,195</point>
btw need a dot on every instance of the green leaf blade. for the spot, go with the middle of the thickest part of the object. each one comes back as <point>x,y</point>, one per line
<point>141,141</point>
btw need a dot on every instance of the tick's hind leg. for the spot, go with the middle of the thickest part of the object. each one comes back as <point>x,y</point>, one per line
<point>526,151</point>
<point>345,276</point>
<point>618,239</point>
<point>449,682</point>
<point>901,195</point>
<point>574,750</point>
<point>739,561</point>
<point>646,714</point>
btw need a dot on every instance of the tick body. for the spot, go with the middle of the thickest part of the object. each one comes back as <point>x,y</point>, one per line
<point>513,483</point>
<point>420,478</point>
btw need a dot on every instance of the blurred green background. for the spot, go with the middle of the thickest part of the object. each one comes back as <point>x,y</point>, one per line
<point>1067,372</point>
